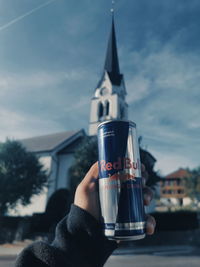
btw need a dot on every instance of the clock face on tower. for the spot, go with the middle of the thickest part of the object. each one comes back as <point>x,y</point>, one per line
<point>104,91</point>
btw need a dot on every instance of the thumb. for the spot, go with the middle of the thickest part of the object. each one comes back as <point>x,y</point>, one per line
<point>92,174</point>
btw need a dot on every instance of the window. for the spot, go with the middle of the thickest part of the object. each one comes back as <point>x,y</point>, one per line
<point>122,112</point>
<point>107,107</point>
<point>180,191</point>
<point>100,110</point>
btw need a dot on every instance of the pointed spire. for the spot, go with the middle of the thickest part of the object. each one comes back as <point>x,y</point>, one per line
<point>112,62</point>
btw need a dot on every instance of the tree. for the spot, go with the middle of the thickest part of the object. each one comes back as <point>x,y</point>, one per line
<point>192,184</point>
<point>87,154</point>
<point>148,160</point>
<point>21,175</point>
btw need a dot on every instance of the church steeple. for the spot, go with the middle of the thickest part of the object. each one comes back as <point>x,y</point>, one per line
<point>112,61</point>
<point>108,102</point>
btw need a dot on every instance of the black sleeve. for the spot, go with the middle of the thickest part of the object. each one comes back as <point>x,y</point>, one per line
<point>79,242</point>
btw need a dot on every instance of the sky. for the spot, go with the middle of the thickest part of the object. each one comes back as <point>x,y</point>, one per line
<point>52,55</point>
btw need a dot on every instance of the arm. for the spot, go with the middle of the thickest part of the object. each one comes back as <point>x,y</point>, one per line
<point>79,240</point>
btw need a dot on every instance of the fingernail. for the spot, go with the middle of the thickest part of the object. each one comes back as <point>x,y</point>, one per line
<point>150,228</point>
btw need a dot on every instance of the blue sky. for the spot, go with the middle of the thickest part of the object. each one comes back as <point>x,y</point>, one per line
<point>52,54</point>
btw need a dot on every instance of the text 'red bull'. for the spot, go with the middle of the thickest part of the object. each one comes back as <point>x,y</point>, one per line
<point>121,163</point>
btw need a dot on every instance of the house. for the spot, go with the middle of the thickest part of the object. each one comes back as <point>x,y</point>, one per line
<point>172,186</point>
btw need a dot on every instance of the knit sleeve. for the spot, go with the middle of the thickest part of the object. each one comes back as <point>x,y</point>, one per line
<point>78,242</point>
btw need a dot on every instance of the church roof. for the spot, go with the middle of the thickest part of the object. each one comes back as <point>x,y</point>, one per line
<point>50,142</point>
<point>112,61</point>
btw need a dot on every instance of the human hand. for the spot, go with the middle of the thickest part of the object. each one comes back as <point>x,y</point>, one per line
<point>87,198</point>
<point>148,196</point>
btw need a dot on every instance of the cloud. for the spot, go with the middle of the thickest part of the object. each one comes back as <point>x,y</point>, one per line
<point>19,90</point>
<point>11,22</point>
<point>53,61</point>
<point>165,83</point>
<point>16,125</point>
<point>37,79</point>
<point>26,82</point>
<point>138,88</point>
<point>81,103</point>
<point>169,162</point>
<point>43,102</point>
<point>163,96</point>
<point>8,117</point>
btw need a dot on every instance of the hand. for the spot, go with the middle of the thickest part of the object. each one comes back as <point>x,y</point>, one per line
<point>148,196</point>
<point>87,198</point>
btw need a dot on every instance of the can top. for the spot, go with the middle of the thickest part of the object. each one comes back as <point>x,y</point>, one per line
<point>127,121</point>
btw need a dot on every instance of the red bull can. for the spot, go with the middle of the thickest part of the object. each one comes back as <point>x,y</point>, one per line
<point>120,181</point>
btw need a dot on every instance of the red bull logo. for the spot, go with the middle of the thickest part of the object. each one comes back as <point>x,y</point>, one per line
<point>122,177</point>
<point>124,163</point>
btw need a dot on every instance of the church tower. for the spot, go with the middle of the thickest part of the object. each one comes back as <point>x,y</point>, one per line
<point>108,101</point>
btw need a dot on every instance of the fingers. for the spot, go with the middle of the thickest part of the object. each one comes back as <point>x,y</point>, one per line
<point>145,174</point>
<point>92,174</point>
<point>90,179</point>
<point>86,196</point>
<point>89,183</point>
<point>147,195</point>
<point>150,225</point>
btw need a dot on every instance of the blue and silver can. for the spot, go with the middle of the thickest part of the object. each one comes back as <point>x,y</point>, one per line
<point>120,181</point>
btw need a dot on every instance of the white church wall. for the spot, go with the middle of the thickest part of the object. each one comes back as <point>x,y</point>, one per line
<point>65,162</point>
<point>46,162</point>
<point>38,205</point>
<point>56,167</point>
<point>93,129</point>
<point>114,106</point>
<point>94,110</point>
<point>52,175</point>
<point>114,111</point>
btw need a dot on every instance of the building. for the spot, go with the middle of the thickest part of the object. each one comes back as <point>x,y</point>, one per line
<point>108,101</point>
<point>56,151</point>
<point>173,187</point>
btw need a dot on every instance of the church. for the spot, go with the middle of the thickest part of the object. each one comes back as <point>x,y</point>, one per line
<point>56,151</point>
<point>108,102</point>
